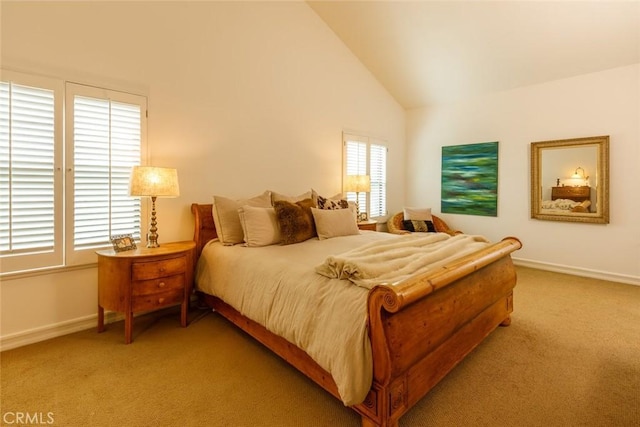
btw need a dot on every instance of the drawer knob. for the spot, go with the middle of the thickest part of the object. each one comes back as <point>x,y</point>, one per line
<point>160,300</point>
<point>161,285</point>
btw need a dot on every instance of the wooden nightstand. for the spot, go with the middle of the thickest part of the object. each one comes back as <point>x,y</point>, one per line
<point>145,279</point>
<point>368,225</point>
<point>577,194</point>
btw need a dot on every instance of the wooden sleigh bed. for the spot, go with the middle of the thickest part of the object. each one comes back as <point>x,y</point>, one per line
<point>419,329</point>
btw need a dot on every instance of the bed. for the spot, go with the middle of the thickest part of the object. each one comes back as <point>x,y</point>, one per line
<point>418,329</point>
<point>559,206</point>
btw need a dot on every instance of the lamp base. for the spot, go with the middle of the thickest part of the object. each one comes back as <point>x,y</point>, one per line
<point>152,241</point>
<point>152,236</point>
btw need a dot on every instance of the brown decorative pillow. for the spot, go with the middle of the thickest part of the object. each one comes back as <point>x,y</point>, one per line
<point>295,220</point>
<point>419,226</point>
<point>324,203</point>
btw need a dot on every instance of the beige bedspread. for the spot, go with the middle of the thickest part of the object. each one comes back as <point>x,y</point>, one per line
<point>278,287</point>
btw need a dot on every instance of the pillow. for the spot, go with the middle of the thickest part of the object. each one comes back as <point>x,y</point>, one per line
<point>334,222</point>
<point>420,214</point>
<point>292,199</point>
<point>315,195</point>
<point>295,220</point>
<point>330,204</point>
<point>353,207</point>
<point>259,225</point>
<point>414,225</point>
<point>227,219</point>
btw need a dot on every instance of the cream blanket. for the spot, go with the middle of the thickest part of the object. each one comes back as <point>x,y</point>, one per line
<point>391,261</point>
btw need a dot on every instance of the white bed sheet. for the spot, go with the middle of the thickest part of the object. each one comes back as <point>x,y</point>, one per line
<point>278,287</point>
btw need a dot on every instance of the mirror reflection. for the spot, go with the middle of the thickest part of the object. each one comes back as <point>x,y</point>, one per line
<point>569,180</point>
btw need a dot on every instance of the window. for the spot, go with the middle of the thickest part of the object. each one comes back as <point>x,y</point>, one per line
<point>63,196</point>
<point>30,171</point>
<point>366,156</point>
<point>106,131</point>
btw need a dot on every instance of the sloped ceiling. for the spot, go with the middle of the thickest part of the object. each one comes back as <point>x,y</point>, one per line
<point>430,52</point>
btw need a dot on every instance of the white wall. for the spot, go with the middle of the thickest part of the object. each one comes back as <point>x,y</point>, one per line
<point>604,103</point>
<point>243,97</point>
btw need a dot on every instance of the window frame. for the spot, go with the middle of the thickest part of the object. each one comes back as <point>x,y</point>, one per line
<point>35,259</point>
<point>365,167</point>
<point>64,256</point>
<point>85,256</point>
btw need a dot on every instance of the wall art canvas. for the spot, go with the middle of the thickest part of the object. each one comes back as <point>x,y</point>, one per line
<point>470,179</point>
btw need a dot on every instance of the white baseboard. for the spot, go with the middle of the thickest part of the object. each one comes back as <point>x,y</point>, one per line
<point>566,269</point>
<point>43,333</point>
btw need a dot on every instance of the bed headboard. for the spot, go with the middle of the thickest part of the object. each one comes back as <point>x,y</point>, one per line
<point>204,227</point>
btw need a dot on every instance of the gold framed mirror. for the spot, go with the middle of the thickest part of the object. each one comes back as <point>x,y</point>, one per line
<point>570,180</point>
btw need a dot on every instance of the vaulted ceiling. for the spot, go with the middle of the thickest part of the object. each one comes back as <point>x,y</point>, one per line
<point>430,52</point>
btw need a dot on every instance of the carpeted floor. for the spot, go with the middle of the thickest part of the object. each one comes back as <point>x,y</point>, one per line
<point>571,357</point>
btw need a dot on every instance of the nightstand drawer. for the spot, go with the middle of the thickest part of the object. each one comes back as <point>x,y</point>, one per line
<point>577,194</point>
<point>151,302</point>
<point>157,269</point>
<point>368,225</point>
<point>153,286</point>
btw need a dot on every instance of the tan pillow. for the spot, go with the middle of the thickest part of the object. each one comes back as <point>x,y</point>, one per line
<point>291,199</point>
<point>417,214</point>
<point>260,226</point>
<point>295,221</point>
<point>334,222</point>
<point>227,219</point>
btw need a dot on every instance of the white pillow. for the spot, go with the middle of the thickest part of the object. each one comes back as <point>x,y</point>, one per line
<point>227,220</point>
<point>260,226</point>
<point>334,223</point>
<point>417,214</point>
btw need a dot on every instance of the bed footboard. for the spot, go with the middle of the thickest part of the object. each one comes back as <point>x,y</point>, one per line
<point>422,328</point>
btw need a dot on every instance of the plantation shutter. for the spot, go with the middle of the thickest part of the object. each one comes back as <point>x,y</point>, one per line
<point>378,173</point>
<point>356,164</point>
<point>30,134</point>
<point>107,140</point>
<point>362,157</point>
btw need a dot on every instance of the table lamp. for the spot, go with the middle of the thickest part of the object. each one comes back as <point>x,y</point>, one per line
<point>357,184</point>
<point>149,181</point>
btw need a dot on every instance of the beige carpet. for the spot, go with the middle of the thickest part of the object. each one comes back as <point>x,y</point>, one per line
<point>570,358</point>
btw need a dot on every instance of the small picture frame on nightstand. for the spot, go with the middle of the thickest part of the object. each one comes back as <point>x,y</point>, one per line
<point>123,242</point>
<point>363,216</point>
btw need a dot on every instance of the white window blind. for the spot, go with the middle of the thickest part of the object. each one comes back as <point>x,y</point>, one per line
<point>106,128</point>
<point>356,164</point>
<point>63,194</point>
<point>30,180</point>
<point>378,173</point>
<point>364,157</point>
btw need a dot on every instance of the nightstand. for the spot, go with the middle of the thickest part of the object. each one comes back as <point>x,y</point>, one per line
<point>368,225</point>
<point>577,194</point>
<point>145,279</point>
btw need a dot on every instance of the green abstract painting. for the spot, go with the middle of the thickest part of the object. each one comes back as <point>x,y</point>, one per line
<point>470,179</point>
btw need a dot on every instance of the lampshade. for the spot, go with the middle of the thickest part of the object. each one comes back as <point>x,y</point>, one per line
<point>154,182</point>
<point>577,175</point>
<point>357,183</point>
